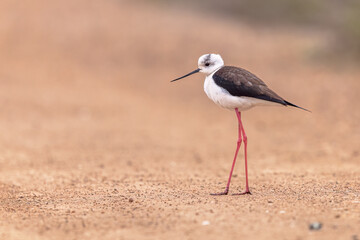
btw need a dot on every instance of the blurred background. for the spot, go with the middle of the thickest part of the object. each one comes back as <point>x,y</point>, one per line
<point>341,19</point>
<point>87,107</point>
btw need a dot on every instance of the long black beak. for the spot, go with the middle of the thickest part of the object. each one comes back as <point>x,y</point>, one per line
<point>196,71</point>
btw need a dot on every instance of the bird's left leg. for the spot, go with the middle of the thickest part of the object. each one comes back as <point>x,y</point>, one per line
<point>247,191</point>
<point>236,153</point>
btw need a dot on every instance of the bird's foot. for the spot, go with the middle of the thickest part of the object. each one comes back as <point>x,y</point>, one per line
<point>243,193</point>
<point>220,193</point>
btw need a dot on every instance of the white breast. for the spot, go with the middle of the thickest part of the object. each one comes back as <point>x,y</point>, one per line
<point>223,98</point>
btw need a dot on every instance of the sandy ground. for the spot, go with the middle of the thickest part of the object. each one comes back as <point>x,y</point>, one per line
<point>96,143</point>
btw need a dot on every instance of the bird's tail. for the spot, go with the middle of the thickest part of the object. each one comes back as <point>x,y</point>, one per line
<point>293,105</point>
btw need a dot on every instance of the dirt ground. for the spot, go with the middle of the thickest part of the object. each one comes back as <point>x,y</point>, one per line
<point>96,143</point>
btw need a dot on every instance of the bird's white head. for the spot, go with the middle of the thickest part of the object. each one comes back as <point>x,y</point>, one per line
<point>208,63</point>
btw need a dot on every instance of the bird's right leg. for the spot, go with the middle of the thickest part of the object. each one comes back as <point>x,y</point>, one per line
<point>236,153</point>
<point>247,191</point>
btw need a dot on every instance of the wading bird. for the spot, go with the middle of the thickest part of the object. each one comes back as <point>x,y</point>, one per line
<point>235,89</point>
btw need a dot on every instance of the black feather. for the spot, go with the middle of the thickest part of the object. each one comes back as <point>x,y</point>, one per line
<point>293,105</point>
<point>242,83</point>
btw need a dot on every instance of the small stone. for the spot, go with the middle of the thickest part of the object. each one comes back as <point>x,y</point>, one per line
<point>282,212</point>
<point>315,226</point>
<point>205,223</point>
<point>131,200</point>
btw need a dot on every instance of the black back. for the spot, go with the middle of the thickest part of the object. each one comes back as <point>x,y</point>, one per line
<point>242,83</point>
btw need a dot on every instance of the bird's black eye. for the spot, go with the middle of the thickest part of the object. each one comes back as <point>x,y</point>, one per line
<point>207,64</point>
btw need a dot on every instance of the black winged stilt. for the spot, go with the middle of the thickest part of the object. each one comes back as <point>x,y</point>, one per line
<point>235,89</point>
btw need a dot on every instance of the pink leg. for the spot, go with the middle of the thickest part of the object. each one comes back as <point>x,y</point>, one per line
<point>247,191</point>
<point>238,114</point>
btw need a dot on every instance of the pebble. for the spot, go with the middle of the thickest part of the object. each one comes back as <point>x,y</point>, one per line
<point>315,226</point>
<point>205,223</point>
<point>131,200</point>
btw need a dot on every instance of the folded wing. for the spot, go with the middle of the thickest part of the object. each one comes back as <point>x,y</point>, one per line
<point>242,83</point>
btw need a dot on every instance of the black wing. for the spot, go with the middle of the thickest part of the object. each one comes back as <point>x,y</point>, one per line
<point>242,83</point>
